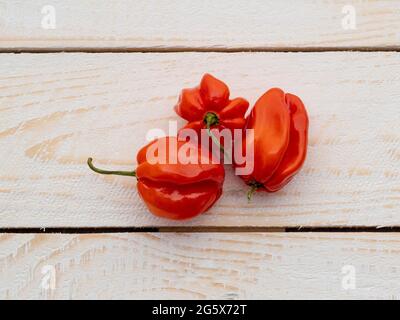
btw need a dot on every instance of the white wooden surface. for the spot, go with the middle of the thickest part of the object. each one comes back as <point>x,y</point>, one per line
<point>58,109</point>
<point>95,24</point>
<point>200,266</point>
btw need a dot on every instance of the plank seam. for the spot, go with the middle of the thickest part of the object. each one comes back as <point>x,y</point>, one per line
<point>201,229</point>
<point>196,49</point>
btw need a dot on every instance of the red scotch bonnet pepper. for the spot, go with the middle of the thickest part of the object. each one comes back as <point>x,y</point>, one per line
<point>177,189</point>
<point>280,125</point>
<point>173,189</point>
<point>208,107</point>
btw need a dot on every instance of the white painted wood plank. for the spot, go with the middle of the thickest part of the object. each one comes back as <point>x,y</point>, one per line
<point>200,266</point>
<point>58,109</point>
<point>198,24</point>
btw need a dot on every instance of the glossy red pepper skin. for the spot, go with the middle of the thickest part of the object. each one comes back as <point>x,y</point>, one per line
<point>178,191</point>
<point>297,149</point>
<point>280,125</point>
<point>175,190</point>
<point>209,106</point>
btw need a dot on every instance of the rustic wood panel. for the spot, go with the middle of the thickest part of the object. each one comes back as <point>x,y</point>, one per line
<point>58,109</point>
<point>226,24</point>
<point>200,266</point>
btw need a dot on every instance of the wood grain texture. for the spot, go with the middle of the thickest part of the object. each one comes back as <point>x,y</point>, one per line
<point>94,24</point>
<point>200,266</point>
<point>58,109</point>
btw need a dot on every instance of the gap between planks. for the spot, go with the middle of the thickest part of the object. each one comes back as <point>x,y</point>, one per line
<point>198,49</point>
<point>200,229</point>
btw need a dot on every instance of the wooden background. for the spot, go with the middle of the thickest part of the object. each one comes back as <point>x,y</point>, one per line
<point>110,71</point>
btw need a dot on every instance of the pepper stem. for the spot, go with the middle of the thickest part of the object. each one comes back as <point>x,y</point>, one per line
<point>118,173</point>
<point>251,191</point>
<point>211,119</point>
<point>254,186</point>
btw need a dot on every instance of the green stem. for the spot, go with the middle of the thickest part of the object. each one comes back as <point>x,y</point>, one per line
<point>214,139</point>
<point>211,119</point>
<point>254,186</point>
<point>118,173</point>
<point>251,191</point>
